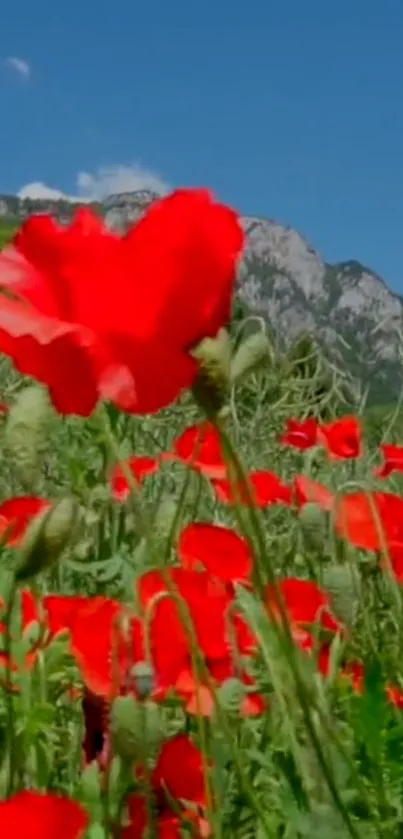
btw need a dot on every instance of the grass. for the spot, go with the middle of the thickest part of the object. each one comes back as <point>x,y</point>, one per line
<point>321,760</point>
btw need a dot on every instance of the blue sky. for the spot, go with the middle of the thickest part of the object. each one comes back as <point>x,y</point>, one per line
<point>286,108</point>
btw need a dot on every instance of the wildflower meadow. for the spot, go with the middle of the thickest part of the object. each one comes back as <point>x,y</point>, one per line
<point>201,536</point>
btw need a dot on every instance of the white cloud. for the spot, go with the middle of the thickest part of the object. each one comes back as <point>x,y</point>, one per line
<point>40,192</point>
<point>96,186</point>
<point>112,179</point>
<point>22,67</point>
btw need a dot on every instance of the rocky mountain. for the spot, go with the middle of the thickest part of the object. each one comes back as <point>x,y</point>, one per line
<point>348,307</point>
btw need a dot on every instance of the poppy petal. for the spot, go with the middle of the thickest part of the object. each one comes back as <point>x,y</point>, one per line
<point>216,549</point>
<point>42,816</point>
<point>139,467</point>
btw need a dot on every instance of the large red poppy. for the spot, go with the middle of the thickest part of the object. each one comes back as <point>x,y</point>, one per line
<point>304,603</point>
<point>16,515</point>
<point>306,491</point>
<point>169,642</point>
<point>216,549</point>
<point>42,816</point>
<point>169,638</point>
<point>103,651</point>
<point>342,437</point>
<point>370,520</point>
<point>393,460</point>
<point>301,434</point>
<point>97,316</point>
<point>199,446</point>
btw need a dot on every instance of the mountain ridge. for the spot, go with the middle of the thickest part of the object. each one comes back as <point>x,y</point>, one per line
<point>350,309</point>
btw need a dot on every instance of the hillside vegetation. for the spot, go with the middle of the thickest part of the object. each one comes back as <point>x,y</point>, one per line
<point>7,230</point>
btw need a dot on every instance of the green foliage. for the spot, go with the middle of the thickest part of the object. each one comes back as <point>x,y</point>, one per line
<point>322,761</point>
<point>7,231</point>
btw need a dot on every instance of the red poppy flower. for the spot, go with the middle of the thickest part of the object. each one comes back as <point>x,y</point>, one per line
<point>261,489</point>
<point>103,652</point>
<point>354,671</point>
<point>304,603</point>
<point>16,515</point>
<point>216,549</point>
<point>394,560</point>
<point>29,608</point>
<point>301,435</point>
<point>342,437</point>
<point>395,695</point>
<point>169,638</point>
<point>199,446</point>
<point>98,644</point>
<point>97,316</point>
<point>369,520</point>
<point>306,490</point>
<point>163,628</point>
<point>140,467</point>
<point>42,816</point>
<point>393,460</point>
<point>178,776</point>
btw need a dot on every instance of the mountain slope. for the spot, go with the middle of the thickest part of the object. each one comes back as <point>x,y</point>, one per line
<point>347,306</point>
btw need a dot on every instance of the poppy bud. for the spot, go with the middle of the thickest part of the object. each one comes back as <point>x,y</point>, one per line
<point>343,584</point>
<point>211,387</point>
<point>143,677</point>
<point>46,538</point>
<point>251,353</point>
<point>164,521</point>
<point>90,788</point>
<point>230,696</point>
<point>313,522</point>
<point>26,433</point>
<point>136,728</point>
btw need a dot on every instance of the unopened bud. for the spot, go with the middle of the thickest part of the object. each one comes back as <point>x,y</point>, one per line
<point>90,785</point>
<point>252,352</point>
<point>313,522</point>
<point>136,728</point>
<point>230,696</point>
<point>46,538</point>
<point>26,433</point>
<point>165,520</point>
<point>343,584</point>
<point>125,727</point>
<point>211,388</point>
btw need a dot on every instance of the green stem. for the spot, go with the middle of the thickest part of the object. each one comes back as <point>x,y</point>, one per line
<point>11,751</point>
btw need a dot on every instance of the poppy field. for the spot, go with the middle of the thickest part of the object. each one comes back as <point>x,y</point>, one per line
<point>201,553</point>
